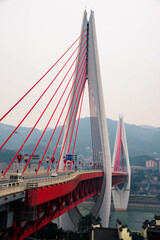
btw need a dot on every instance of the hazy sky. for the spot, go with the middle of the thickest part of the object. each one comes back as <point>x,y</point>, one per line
<point>34,33</point>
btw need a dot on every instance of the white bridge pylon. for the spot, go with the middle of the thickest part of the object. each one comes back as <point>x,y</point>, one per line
<point>101,207</point>
<point>121,194</point>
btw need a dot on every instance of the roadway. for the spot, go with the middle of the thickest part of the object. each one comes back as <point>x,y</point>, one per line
<point>16,187</point>
<point>28,177</point>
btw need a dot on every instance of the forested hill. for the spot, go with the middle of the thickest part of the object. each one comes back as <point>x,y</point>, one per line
<point>142,140</point>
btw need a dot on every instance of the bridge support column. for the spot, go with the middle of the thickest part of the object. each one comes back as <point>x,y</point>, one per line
<point>121,192</point>
<point>121,197</point>
<point>102,206</point>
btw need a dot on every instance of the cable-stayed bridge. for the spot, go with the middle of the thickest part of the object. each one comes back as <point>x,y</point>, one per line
<point>29,204</point>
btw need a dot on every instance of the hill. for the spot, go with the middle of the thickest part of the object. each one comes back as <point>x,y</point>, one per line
<point>142,140</point>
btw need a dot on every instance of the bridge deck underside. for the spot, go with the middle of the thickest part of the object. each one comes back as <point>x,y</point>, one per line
<point>44,204</point>
<point>118,178</point>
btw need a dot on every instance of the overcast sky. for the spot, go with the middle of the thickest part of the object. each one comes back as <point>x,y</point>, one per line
<point>34,33</point>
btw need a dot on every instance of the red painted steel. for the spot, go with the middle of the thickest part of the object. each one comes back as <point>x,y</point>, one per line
<point>55,191</point>
<point>79,92</point>
<point>118,152</point>
<point>82,86</point>
<point>53,115</point>
<point>119,177</point>
<point>44,204</point>
<point>78,123</point>
<point>79,80</point>
<point>43,110</point>
<point>122,158</point>
<point>75,121</point>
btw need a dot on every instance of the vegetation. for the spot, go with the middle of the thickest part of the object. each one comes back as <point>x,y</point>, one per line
<point>140,160</point>
<point>158,196</point>
<point>143,142</point>
<point>137,236</point>
<point>51,230</point>
<point>86,222</point>
<point>6,155</point>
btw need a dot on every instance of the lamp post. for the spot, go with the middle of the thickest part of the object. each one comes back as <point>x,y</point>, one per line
<point>49,154</point>
<point>23,141</point>
<point>49,148</point>
<point>23,145</point>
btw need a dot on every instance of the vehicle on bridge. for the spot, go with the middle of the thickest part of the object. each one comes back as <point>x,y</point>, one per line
<point>54,174</point>
<point>16,177</point>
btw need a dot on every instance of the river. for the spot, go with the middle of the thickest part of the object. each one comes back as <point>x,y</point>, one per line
<point>133,217</point>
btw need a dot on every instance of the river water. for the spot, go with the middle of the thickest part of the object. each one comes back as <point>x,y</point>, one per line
<point>133,217</point>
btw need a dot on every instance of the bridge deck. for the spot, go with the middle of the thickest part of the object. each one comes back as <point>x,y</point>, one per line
<point>41,200</point>
<point>13,188</point>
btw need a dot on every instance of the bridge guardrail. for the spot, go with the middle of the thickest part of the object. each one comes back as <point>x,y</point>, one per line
<point>9,188</point>
<point>14,187</point>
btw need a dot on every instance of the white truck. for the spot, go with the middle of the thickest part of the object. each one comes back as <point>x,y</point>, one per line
<point>16,177</point>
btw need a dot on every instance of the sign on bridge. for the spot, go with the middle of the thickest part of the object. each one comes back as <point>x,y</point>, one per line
<point>71,157</point>
<point>35,157</point>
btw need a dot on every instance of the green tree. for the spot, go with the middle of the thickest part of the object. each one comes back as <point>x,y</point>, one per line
<point>134,186</point>
<point>137,236</point>
<point>85,223</point>
<point>158,196</point>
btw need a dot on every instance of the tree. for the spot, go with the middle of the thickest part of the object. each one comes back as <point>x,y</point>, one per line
<point>137,236</point>
<point>85,223</point>
<point>158,196</point>
<point>134,186</point>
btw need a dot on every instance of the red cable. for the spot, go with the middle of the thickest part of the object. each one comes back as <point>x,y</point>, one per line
<point>40,97</point>
<point>92,113</point>
<point>78,121</point>
<point>36,124</point>
<point>117,158</point>
<point>61,111</point>
<point>53,112</point>
<point>122,157</point>
<point>66,135</point>
<point>79,91</point>
<point>67,114</point>
<point>73,128</point>
<point>78,96</point>
<point>77,125</point>
<point>68,110</point>
<point>61,129</point>
<point>40,78</point>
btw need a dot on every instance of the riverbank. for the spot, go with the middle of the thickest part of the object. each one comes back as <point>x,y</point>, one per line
<point>143,203</point>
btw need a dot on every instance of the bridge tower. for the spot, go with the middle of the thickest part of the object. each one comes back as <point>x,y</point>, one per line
<point>101,208</point>
<point>120,162</point>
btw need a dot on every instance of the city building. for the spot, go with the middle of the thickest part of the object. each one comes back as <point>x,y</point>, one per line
<point>150,164</point>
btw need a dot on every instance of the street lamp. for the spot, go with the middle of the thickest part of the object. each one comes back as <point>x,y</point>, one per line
<point>23,141</point>
<point>49,148</point>
<point>49,154</point>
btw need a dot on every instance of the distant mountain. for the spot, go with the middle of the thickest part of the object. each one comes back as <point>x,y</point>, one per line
<point>141,140</point>
<point>146,126</point>
<point>21,133</point>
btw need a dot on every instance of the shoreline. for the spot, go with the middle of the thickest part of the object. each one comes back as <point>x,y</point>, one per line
<point>138,204</point>
<point>143,205</point>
